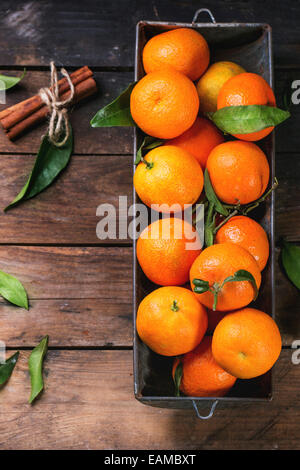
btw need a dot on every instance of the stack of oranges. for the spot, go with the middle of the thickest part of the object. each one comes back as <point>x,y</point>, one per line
<point>174,319</point>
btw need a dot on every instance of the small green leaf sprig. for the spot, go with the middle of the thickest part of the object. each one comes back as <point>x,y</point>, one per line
<point>7,82</point>
<point>202,286</point>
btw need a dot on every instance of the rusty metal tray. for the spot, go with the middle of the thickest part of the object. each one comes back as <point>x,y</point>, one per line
<point>250,45</point>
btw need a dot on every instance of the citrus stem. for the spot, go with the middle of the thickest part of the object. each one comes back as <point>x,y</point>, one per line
<point>174,306</point>
<point>251,206</point>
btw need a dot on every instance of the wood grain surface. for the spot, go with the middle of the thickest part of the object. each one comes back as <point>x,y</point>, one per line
<point>80,287</point>
<point>88,403</point>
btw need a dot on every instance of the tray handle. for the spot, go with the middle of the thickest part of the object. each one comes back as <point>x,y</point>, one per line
<point>197,13</point>
<point>210,414</point>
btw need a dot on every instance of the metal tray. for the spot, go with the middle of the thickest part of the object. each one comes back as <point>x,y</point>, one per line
<point>250,45</point>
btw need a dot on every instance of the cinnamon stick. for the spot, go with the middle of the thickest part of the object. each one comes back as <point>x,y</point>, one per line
<point>83,89</point>
<point>9,117</point>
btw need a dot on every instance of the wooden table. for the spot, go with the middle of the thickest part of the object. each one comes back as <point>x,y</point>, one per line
<point>80,287</point>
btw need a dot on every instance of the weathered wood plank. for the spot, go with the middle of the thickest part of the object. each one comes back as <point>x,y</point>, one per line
<point>82,297</point>
<point>71,273</point>
<point>107,30</point>
<point>86,139</point>
<point>89,393</point>
<point>66,211</point>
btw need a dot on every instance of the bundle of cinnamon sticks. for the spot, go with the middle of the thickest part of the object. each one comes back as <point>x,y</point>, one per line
<point>20,117</point>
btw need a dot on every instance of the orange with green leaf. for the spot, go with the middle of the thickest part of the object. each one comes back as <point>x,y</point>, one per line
<point>166,250</point>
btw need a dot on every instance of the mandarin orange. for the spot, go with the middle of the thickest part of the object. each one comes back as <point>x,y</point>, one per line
<point>164,104</point>
<point>171,321</point>
<point>184,49</point>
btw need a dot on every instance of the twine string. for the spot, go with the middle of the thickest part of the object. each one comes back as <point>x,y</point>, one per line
<point>58,109</point>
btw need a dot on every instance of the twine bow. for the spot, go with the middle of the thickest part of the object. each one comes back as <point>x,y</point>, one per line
<point>59,114</point>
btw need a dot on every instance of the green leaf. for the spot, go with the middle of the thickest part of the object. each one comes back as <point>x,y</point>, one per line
<point>246,119</point>
<point>200,283</point>
<point>148,143</point>
<point>290,256</point>
<point>8,82</point>
<point>50,161</point>
<point>7,368</point>
<point>211,195</point>
<point>242,275</point>
<point>177,378</point>
<point>35,364</point>
<point>12,290</point>
<point>117,113</point>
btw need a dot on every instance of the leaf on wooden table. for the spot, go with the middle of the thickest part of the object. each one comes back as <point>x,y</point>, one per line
<point>35,364</point>
<point>8,82</point>
<point>290,256</point>
<point>12,290</point>
<point>247,119</point>
<point>50,161</point>
<point>117,113</point>
<point>7,368</point>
